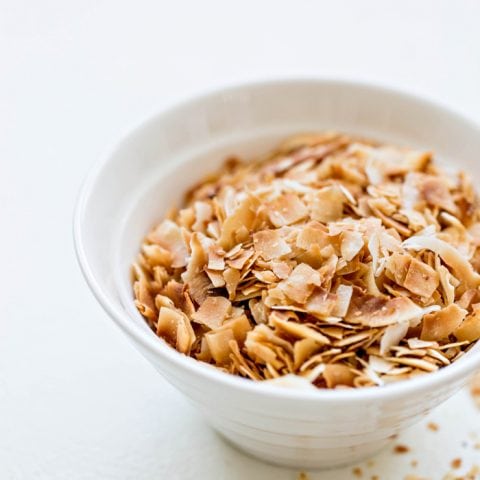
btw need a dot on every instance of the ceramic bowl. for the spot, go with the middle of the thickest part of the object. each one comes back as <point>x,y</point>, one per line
<point>149,169</point>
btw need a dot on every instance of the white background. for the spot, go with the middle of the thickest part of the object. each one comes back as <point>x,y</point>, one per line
<point>76,401</point>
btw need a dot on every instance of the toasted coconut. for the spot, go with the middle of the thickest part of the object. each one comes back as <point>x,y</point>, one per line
<point>216,278</point>
<point>446,281</point>
<point>299,330</point>
<point>439,325</point>
<point>415,343</point>
<point>199,287</point>
<point>259,351</point>
<point>163,301</point>
<point>469,329</point>
<point>465,301</point>
<point>216,259</point>
<point>436,193</point>
<point>314,233</point>
<point>421,279</point>
<point>232,278</point>
<point>181,299</point>
<point>343,297</point>
<point>270,245</point>
<point>327,204</point>
<point>157,255</point>
<point>412,274</point>
<point>258,311</point>
<point>219,345</point>
<point>351,244</point>
<point>286,209</point>
<point>203,215</point>
<point>304,349</point>
<point>392,336</point>
<point>175,327</point>
<point>204,354</point>
<point>197,259</point>
<point>379,364</point>
<point>448,254</point>
<point>144,300</point>
<point>240,259</point>
<point>337,374</point>
<point>346,261</point>
<point>321,304</point>
<point>379,312</point>
<point>281,269</point>
<point>299,285</point>
<point>415,362</point>
<point>212,312</point>
<point>240,326</point>
<point>169,236</point>
<point>236,225</point>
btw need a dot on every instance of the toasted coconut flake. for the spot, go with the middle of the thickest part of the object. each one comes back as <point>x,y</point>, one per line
<point>314,233</point>
<point>270,245</point>
<point>327,204</point>
<point>235,224</point>
<point>203,214</point>
<point>351,244</point>
<point>321,304</point>
<point>199,287</point>
<point>392,336</point>
<point>343,297</point>
<point>436,193</point>
<point>144,300</point>
<point>175,327</point>
<point>216,278</point>
<point>286,209</point>
<point>281,269</point>
<point>169,236</point>
<point>216,259</point>
<point>469,329</point>
<point>212,312</point>
<point>299,285</point>
<point>240,326</point>
<point>448,254</point>
<point>421,279</point>
<point>415,343</point>
<point>157,255</point>
<point>379,312</point>
<point>299,330</point>
<point>232,278</point>
<point>415,362</point>
<point>219,345</point>
<point>240,259</point>
<point>337,374</point>
<point>379,364</point>
<point>331,241</point>
<point>304,349</point>
<point>439,325</point>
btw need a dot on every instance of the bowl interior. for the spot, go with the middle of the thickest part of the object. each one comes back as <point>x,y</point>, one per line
<point>152,168</point>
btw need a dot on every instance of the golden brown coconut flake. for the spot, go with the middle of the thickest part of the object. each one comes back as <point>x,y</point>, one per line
<point>335,262</point>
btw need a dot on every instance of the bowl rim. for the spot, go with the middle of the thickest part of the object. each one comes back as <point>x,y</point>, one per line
<point>203,371</point>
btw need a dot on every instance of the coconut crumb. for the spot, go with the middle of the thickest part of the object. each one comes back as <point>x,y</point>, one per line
<point>433,426</point>
<point>357,471</point>
<point>456,463</point>
<point>401,449</point>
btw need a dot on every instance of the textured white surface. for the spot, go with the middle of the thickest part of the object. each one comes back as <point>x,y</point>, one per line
<point>76,401</point>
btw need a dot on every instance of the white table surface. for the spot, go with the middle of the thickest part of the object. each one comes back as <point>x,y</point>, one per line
<point>76,401</point>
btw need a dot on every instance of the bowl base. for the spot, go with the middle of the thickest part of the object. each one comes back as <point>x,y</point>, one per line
<point>304,458</point>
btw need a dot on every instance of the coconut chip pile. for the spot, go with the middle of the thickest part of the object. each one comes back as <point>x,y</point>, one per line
<point>334,262</point>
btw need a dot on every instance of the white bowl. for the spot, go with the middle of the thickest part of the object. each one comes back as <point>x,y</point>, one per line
<point>132,187</point>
